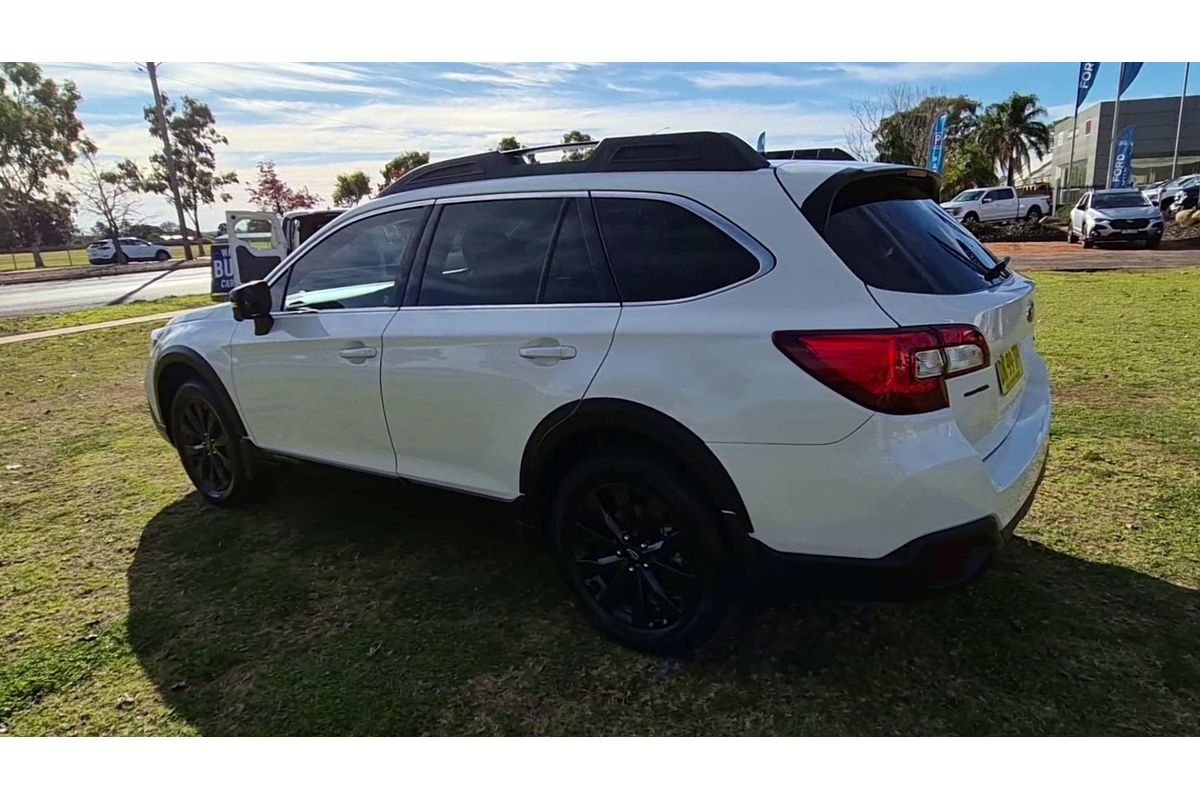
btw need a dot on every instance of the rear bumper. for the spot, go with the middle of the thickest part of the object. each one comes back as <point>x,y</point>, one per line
<point>929,564</point>
<point>892,482</point>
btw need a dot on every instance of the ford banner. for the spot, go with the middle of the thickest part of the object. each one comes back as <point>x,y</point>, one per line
<point>937,144</point>
<point>1121,171</point>
<point>1129,71</point>
<point>1087,76</point>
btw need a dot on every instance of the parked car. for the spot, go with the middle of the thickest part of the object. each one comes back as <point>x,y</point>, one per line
<point>677,361</point>
<point>1164,196</point>
<point>1111,215</point>
<point>1153,191</point>
<point>1185,195</point>
<point>103,252</point>
<point>997,204</point>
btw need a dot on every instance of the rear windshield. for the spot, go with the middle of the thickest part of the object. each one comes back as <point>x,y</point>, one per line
<point>893,236</point>
<point>1122,200</point>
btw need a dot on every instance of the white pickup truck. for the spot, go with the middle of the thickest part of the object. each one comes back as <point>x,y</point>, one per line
<point>997,204</point>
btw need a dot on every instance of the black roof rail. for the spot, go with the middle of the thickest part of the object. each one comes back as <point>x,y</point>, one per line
<point>811,154</point>
<point>670,152</point>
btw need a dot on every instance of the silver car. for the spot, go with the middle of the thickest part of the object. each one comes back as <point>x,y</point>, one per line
<point>1115,215</point>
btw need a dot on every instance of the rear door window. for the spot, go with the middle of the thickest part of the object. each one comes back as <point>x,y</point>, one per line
<point>893,236</point>
<point>659,250</point>
<point>513,252</point>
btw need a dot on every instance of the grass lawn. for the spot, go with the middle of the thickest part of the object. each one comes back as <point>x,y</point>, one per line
<point>67,258</point>
<point>347,605</point>
<point>138,308</point>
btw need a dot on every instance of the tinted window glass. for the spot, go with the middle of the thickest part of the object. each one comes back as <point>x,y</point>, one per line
<point>357,266</point>
<point>662,251</point>
<point>1119,200</point>
<point>892,236</point>
<point>489,252</point>
<point>571,277</point>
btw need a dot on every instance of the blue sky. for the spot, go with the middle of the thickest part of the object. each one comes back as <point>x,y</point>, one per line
<point>317,120</point>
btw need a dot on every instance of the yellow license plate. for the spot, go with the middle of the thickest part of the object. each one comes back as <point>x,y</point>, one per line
<point>1009,369</point>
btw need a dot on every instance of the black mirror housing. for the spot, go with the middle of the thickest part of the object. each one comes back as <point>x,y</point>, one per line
<point>253,301</point>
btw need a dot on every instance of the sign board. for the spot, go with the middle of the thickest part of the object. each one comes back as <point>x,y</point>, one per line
<point>937,144</point>
<point>223,279</point>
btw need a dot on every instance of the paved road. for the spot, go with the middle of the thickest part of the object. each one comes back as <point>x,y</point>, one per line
<point>52,296</point>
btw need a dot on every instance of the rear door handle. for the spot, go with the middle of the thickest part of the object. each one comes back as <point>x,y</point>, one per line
<point>357,353</point>
<point>559,352</point>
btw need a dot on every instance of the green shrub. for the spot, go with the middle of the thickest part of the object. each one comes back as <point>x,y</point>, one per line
<point>1021,231</point>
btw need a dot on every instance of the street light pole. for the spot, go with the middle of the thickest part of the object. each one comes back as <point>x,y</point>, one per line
<point>1179,122</point>
<point>169,156</point>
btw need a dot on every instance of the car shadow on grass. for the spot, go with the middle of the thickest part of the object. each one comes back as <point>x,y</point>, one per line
<point>348,605</point>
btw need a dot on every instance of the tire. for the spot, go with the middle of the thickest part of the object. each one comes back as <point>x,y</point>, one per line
<point>162,255</point>
<point>640,546</point>
<point>209,446</point>
<point>970,216</point>
<point>1033,214</point>
<point>1087,243</point>
<point>1072,237</point>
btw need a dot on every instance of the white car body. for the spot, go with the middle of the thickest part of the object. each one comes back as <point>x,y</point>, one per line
<point>461,396</point>
<point>1135,221</point>
<point>103,252</point>
<point>996,204</point>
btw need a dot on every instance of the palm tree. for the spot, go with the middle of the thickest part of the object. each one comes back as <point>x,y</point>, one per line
<point>1011,128</point>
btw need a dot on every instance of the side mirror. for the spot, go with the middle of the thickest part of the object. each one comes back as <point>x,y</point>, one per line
<point>253,301</point>
<point>986,200</point>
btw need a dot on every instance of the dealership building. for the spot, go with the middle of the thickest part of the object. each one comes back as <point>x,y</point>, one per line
<point>1154,122</point>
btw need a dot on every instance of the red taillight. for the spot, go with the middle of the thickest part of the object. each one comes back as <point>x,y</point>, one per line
<point>898,371</point>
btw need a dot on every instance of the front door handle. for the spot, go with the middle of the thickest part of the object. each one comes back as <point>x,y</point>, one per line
<point>357,353</point>
<point>558,352</point>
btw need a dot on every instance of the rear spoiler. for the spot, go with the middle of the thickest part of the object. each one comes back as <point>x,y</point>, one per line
<point>822,201</point>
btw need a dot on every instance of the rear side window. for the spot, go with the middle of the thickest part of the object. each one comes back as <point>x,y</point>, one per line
<point>892,236</point>
<point>662,251</point>
<point>510,252</point>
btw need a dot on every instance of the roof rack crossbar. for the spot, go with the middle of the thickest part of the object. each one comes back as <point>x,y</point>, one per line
<point>698,151</point>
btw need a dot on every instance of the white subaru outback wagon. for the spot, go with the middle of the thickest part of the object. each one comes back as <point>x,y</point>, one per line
<point>673,356</point>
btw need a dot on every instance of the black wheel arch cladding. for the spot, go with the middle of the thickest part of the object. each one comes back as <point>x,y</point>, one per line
<point>178,357</point>
<point>600,416</point>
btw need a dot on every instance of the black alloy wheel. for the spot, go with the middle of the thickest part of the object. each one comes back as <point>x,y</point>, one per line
<point>640,545</point>
<point>205,447</point>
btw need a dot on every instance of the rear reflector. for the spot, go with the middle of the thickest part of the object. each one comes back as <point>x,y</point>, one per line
<point>896,371</point>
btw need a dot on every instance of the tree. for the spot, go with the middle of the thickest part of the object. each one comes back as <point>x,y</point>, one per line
<point>194,138</point>
<point>402,164</point>
<point>570,137</point>
<point>270,193</point>
<point>904,137</point>
<point>968,164</point>
<point>351,188</point>
<point>40,134</point>
<point>1010,129</point>
<point>52,223</point>
<point>508,143</point>
<point>110,193</point>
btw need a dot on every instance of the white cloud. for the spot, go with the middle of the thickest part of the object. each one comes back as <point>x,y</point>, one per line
<point>313,150</point>
<point>747,80</point>
<point>912,71</point>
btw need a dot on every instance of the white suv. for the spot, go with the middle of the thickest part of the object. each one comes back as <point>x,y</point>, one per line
<point>103,252</point>
<point>674,357</point>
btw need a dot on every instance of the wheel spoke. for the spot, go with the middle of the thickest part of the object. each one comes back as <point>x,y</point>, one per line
<point>658,591</point>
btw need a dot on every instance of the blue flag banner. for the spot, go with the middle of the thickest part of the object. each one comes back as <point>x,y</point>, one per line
<point>1129,71</point>
<point>762,142</point>
<point>937,144</point>
<point>1122,173</point>
<point>1087,76</point>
